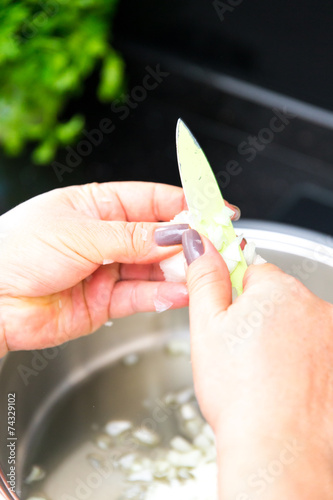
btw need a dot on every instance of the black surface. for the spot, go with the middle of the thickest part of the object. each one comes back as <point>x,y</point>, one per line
<point>282,45</point>
<point>142,147</point>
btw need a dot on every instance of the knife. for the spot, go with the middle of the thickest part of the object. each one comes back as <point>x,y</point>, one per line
<point>208,212</point>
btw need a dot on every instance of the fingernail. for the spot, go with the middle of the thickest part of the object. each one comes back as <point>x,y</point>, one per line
<point>192,245</point>
<point>237,212</point>
<point>170,235</point>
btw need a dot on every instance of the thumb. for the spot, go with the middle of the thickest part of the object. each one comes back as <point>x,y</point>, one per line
<point>208,278</point>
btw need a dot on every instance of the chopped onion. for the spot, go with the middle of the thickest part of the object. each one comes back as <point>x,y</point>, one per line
<point>162,304</point>
<point>232,251</point>
<point>131,359</point>
<point>193,427</point>
<point>259,260</point>
<point>143,475</point>
<point>223,218</point>
<point>202,442</point>
<point>216,236</point>
<point>107,261</point>
<point>188,411</point>
<point>173,268</point>
<point>189,459</point>
<point>146,436</point>
<point>180,444</point>
<point>231,254</point>
<point>103,441</point>
<point>96,461</point>
<point>184,474</point>
<point>108,323</point>
<point>126,461</point>
<point>249,252</point>
<point>182,218</point>
<point>178,347</point>
<point>208,432</point>
<point>161,468</point>
<point>36,474</point>
<point>36,498</point>
<point>116,427</point>
<point>134,492</point>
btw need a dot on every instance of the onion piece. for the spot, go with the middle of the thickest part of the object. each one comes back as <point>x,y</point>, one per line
<point>232,251</point>
<point>126,462</point>
<point>107,262</point>
<point>224,216</point>
<point>130,359</point>
<point>146,436</point>
<point>178,347</point>
<point>182,218</point>
<point>36,498</point>
<point>103,441</point>
<point>249,252</point>
<point>173,268</point>
<point>180,444</point>
<point>36,474</point>
<point>259,260</point>
<point>161,468</point>
<point>142,476</point>
<point>202,442</point>
<point>96,461</point>
<point>208,432</point>
<point>162,304</point>
<point>189,459</point>
<point>188,411</point>
<point>216,236</point>
<point>116,427</point>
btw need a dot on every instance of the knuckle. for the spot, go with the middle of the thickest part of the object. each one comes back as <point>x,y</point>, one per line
<point>138,243</point>
<point>200,282</point>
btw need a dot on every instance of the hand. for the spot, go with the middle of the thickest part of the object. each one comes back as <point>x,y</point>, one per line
<point>54,286</point>
<point>263,373</point>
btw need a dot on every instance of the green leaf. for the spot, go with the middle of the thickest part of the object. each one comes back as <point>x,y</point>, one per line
<point>112,77</point>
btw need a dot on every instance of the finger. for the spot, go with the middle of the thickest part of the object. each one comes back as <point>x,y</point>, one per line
<point>235,209</point>
<point>132,201</point>
<point>115,241</point>
<point>130,297</point>
<point>105,295</point>
<point>149,272</point>
<point>58,318</point>
<point>256,274</point>
<point>208,279</point>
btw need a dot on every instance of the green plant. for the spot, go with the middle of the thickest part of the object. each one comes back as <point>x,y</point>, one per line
<point>47,50</point>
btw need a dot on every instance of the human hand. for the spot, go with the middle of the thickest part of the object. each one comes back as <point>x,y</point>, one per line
<point>263,374</point>
<point>54,286</point>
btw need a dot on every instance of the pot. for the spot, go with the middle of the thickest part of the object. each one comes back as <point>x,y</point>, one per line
<point>64,396</point>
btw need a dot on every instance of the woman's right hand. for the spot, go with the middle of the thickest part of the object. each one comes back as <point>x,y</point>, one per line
<point>263,372</point>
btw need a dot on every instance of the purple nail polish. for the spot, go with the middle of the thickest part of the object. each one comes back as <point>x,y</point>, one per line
<point>192,245</point>
<point>170,235</point>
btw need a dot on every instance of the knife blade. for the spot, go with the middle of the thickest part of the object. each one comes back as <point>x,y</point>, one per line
<point>208,212</point>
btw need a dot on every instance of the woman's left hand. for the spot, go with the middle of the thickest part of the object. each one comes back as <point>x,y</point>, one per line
<point>72,258</point>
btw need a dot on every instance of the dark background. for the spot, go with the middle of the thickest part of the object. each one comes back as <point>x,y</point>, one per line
<point>225,79</point>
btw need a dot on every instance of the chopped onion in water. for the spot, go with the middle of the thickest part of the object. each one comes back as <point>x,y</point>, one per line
<point>116,427</point>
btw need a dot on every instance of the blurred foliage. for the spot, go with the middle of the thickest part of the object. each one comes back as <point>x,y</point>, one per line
<point>47,50</point>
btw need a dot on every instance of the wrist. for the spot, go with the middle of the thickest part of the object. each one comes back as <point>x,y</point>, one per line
<point>291,468</point>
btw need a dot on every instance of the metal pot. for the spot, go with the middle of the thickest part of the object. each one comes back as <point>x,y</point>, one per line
<point>63,395</point>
